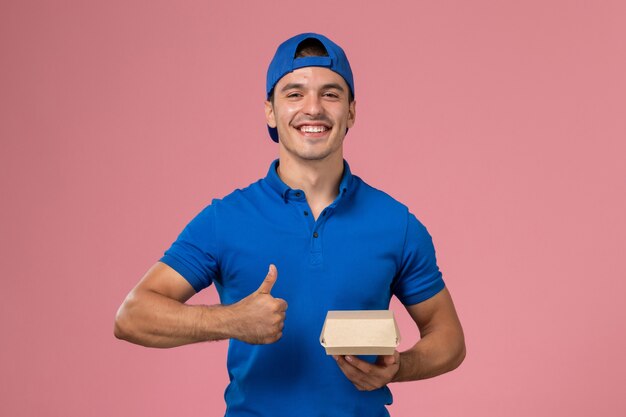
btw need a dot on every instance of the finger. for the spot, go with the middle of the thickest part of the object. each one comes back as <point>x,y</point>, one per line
<point>272,339</point>
<point>375,375</point>
<point>352,372</point>
<point>268,282</point>
<point>282,304</point>
<point>359,364</point>
<point>360,380</point>
<point>346,367</point>
<point>387,360</point>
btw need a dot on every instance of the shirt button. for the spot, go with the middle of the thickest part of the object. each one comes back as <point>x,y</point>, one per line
<point>297,193</point>
<point>306,213</point>
<point>315,235</point>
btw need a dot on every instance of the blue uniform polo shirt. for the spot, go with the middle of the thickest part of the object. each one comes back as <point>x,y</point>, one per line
<point>362,249</point>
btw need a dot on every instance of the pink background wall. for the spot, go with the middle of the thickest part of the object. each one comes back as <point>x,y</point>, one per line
<point>500,123</point>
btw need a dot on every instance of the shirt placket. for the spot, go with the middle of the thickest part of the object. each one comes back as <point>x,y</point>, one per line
<point>314,227</point>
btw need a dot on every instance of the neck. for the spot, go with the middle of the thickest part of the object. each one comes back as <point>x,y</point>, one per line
<point>319,179</point>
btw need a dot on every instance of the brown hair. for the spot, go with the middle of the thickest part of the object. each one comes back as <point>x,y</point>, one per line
<point>311,47</point>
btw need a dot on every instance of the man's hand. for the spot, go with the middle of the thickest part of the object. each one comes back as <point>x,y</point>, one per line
<point>155,314</point>
<point>260,317</point>
<point>367,376</point>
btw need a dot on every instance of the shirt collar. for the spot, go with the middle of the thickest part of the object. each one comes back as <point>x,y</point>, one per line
<point>283,189</point>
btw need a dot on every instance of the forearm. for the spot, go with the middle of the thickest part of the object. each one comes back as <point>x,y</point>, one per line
<point>435,354</point>
<point>151,319</point>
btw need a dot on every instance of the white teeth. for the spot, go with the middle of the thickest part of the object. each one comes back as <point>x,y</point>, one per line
<point>313,129</point>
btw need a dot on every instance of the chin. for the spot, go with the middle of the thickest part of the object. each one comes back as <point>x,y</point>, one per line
<point>309,152</point>
<point>312,156</point>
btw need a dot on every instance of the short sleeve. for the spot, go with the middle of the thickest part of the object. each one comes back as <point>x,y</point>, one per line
<point>418,278</point>
<point>193,254</point>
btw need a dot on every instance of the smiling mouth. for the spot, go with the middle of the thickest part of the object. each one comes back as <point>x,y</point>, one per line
<point>313,128</point>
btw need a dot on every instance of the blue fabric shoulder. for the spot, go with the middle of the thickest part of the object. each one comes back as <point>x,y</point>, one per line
<point>194,253</point>
<point>418,277</point>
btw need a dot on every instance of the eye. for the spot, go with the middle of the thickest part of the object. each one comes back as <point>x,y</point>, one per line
<point>294,94</point>
<point>331,94</point>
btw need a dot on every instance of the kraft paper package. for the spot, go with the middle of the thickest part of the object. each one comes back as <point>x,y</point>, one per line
<point>360,332</point>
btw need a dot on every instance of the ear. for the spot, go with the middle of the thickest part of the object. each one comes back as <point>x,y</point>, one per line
<point>351,114</point>
<point>269,114</point>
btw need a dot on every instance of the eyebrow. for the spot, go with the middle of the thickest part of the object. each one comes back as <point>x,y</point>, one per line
<point>301,86</point>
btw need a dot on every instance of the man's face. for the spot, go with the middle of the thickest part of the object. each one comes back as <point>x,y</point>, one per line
<point>311,112</point>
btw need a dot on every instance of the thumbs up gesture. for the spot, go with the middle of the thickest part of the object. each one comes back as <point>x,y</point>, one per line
<point>260,317</point>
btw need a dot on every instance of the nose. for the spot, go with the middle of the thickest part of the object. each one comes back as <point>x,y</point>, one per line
<point>312,105</point>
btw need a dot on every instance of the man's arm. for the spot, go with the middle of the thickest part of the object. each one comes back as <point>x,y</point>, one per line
<point>440,349</point>
<point>442,345</point>
<point>154,313</point>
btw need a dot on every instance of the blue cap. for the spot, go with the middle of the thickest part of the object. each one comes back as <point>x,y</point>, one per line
<point>284,62</point>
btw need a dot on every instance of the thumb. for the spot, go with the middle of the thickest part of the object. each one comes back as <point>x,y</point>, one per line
<point>268,282</point>
<point>388,360</point>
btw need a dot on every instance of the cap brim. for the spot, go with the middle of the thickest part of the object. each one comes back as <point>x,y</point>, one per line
<point>273,133</point>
